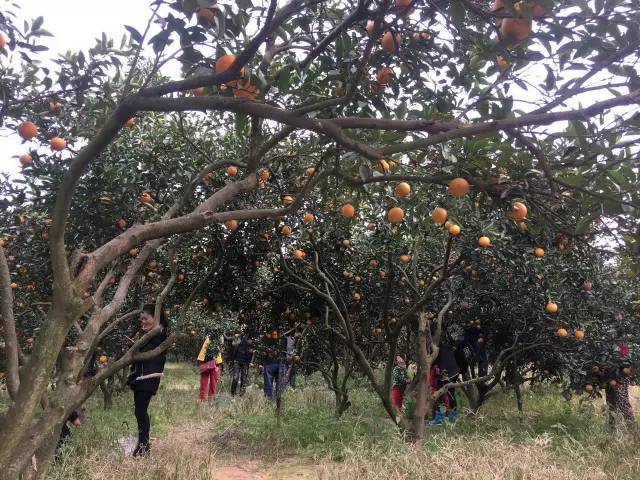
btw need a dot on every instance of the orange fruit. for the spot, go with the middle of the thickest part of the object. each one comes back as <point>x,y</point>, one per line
<point>439,215</point>
<point>346,242</point>
<point>3,40</point>
<point>133,252</point>
<point>299,254</point>
<point>231,224</point>
<point>145,198</point>
<point>515,29</point>
<point>518,211</point>
<point>579,334</point>
<point>551,307</point>
<point>26,160</point>
<point>308,218</point>
<point>402,189</point>
<point>27,130</point>
<point>246,90</point>
<point>286,230</point>
<point>390,43</point>
<point>232,171</point>
<point>224,62</point>
<point>198,92</point>
<point>384,75</point>
<point>121,224</point>
<point>587,286</point>
<point>357,279</point>
<point>310,171</point>
<point>454,230</point>
<point>484,242</point>
<point>395,215</point>
<point>264,174</point>
<point>383,166</point>
<point>102,359</point>
<point>181,277</point>
<point>497,5</point>
<point>287,200</point>
<point>348,211</point>
<point>206,15</point>
<point>588,388</point>
<point>58,144</point>
<point>627,372</point>
<point>404,258</point>
<point>458,187</point>
<point>561,332</point>
<point>14,285</point>
<point>403,3</point>
<point>130,123</point>
<point>539,252</point>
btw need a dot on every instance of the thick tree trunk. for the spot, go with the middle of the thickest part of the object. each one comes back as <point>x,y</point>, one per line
<point>518,392</point>
<point>424,399</point>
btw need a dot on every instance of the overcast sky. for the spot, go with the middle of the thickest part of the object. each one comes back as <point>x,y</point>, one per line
<point>74,24</point>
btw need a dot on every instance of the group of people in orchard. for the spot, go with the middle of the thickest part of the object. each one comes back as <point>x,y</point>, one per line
<point>276,356</point>
<point>465,353</point>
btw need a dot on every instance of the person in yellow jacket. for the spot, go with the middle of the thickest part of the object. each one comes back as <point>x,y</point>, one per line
<point>209,361</point>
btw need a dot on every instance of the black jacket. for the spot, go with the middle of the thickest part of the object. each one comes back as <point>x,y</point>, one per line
<point>145,375</point>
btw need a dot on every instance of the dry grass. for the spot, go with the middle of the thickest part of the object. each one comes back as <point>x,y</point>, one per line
<point>487,459</point>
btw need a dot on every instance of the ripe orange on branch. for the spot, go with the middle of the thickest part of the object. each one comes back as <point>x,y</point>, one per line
<point>454,230</point>
<point>206,15</point>
<point>384,75</point>
<point>551,307</point>
<point>539,252</point>
<point>58,144</point>
<point>439,215</point>
<point>458,187</point>
<point>287,200</point>
<point>402,189</point>
<point>102,359</point>
<point>561,332</point>
<point>518,211</point>
<point>232,224</point>
<point>348,211</point>
<point>145,198</point>
<point>224,62</point>
<point>130,123</point>
<point>515,29</point>
<point>391,42</point>
<point>27,130</point>
<point>26,160</point>
<point>395,215</point>
<point>484,242</point>
<point>232,170</point>
<point>308,218</point>
<point>579,334</point>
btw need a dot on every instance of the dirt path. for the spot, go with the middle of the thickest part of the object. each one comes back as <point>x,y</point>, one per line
<point>288,469</point>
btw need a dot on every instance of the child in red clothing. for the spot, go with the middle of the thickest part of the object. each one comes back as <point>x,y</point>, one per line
<point>399,382</point>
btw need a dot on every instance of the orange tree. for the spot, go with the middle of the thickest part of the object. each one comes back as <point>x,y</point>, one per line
<point>440,87</point>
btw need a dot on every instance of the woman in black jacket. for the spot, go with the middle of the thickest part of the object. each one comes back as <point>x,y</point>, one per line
<point>145,377</point>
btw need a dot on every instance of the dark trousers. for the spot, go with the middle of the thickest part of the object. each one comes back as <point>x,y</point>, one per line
<point>271,372</point>
<point>141,401</point>
<point>240,376</point>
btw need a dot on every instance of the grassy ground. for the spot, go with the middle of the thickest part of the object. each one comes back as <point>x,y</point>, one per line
<point>555,440</point>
